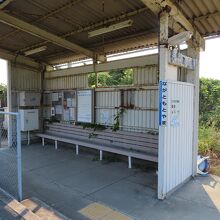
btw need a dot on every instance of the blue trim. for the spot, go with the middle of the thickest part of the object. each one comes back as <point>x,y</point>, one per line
<point>160,102</point>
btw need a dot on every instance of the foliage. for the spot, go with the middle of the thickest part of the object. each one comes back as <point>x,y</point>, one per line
<point>209,131</point>
<point>3,95</point>
<point>209,108</point>
<point>117,117</point>
<point>209,141</point>
<point>112,78</point>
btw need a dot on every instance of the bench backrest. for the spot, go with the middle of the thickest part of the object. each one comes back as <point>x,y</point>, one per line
<point>125,139</point>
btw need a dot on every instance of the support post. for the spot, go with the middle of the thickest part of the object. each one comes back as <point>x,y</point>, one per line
<point>28,134</point>
<point>167,72</point>
<point>129,162</point>
<point>100,155</point>
<point>43,142</point>
<point>193,77</point>
<point>56,145</point>
<point>9,102</point>
<point>19,165</point>
<point>77,149</point>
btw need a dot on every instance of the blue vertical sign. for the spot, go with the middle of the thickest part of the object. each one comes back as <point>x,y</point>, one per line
<point>163,103</point>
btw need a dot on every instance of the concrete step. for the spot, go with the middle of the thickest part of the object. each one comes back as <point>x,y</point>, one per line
<point>42,210</point>
<point>18,208</point>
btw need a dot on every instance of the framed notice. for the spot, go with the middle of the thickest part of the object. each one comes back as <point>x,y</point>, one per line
<point>85,106</point>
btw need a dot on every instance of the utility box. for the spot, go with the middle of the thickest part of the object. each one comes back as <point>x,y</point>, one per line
<point>29,119</point>
<point>29,99</point>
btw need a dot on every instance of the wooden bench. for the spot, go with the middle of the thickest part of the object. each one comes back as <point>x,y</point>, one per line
<point>131,144</point>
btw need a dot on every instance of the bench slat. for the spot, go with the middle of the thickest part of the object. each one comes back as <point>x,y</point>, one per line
<point>110,133</point>
<point>103,137</point>
<point>109,144</point>
<point>142,156</point>
<point>120,132</point>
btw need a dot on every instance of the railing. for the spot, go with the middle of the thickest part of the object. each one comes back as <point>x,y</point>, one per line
<point>10,154</point>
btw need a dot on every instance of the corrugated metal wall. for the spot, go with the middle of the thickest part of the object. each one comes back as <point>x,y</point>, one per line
<point>140,117</point>
<point>176,139</point>
<point>66,82</point>
<point>107,103</point>
<point>24,78</point>
<point>144,116</point>
<point>146,75</point>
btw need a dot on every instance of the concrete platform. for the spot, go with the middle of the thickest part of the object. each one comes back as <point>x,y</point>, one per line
<point>73,184</point>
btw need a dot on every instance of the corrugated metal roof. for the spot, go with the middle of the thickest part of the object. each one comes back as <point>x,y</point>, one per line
<point>73,19</point>
<point>205,15</point>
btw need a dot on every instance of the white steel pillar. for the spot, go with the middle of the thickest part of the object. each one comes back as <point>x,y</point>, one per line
<point>9,102</point>
<point>193,77</point>
<point>167,72</point>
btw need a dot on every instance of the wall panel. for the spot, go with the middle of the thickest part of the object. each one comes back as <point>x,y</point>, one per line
<point>66,82</point>
<point>176,138</point>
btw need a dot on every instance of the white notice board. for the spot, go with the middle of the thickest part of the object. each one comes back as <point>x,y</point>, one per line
<point>84,105</point>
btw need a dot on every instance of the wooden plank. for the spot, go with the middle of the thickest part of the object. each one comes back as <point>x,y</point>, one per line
<point>119,132</point>
<point>138,155</point>
<point>103,138</point>
<point>145,149</point>
<point>101,135</point>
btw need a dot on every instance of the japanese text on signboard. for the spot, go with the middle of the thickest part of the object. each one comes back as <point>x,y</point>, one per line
<point>163,103</point>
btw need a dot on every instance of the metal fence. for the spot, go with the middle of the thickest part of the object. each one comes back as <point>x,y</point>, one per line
<point>10,154</point>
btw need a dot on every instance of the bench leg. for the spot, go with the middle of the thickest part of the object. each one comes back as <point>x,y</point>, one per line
<point>77,149</point>
<point>43,142</point>
<point>56,145</point>
<point>100,155</point>
<point>129,162</point>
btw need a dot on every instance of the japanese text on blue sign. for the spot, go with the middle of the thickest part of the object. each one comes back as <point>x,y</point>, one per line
<point>163,113</point>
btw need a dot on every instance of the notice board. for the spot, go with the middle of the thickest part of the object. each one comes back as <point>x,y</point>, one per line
<point>85,106</point>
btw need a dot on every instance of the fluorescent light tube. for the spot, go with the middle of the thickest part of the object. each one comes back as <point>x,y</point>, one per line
<point>35,50</point>
<point>111,28</point>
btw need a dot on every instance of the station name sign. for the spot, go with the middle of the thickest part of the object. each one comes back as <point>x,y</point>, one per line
<point>163,105</point>
<point>178,59</point>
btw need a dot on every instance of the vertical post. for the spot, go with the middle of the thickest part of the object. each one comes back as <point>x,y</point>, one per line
<point>164,75</point>
<point>19,165</point>
<point>9,103</point>
<point>193,77</point>
<point>43,142</point>
<point>77,149</point>
<point>100,155</point>
<point>56,144</point>
<point>129,162</point>
<point>28,133</point>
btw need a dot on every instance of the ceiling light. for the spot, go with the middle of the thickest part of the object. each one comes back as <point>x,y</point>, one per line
<point>111,28</point>
<point>36,50</point>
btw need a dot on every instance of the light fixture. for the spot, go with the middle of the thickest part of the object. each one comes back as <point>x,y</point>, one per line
<point>179,38</point>
<point>111,28</point>
<point>35,50</point>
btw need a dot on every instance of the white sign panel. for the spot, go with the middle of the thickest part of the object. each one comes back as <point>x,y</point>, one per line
<point>178,59</point>
<point>175,113</point>
<point>163,111</point>
<point>84,107</point>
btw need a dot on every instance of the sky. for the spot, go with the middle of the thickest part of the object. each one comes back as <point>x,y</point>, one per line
<point>209,62</point>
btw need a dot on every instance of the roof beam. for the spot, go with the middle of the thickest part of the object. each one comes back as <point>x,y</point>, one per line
<point>36,31</point>
<point>209,15</point>
<point>156,6</point>
<point>5,3</point>
<point>7,55</point>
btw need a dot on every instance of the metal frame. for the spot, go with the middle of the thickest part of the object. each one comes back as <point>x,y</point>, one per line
<point>18,156</point>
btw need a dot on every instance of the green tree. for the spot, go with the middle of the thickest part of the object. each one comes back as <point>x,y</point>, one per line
<point>3,95</point>
<point>209,108</point>
<point>112,78</point>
